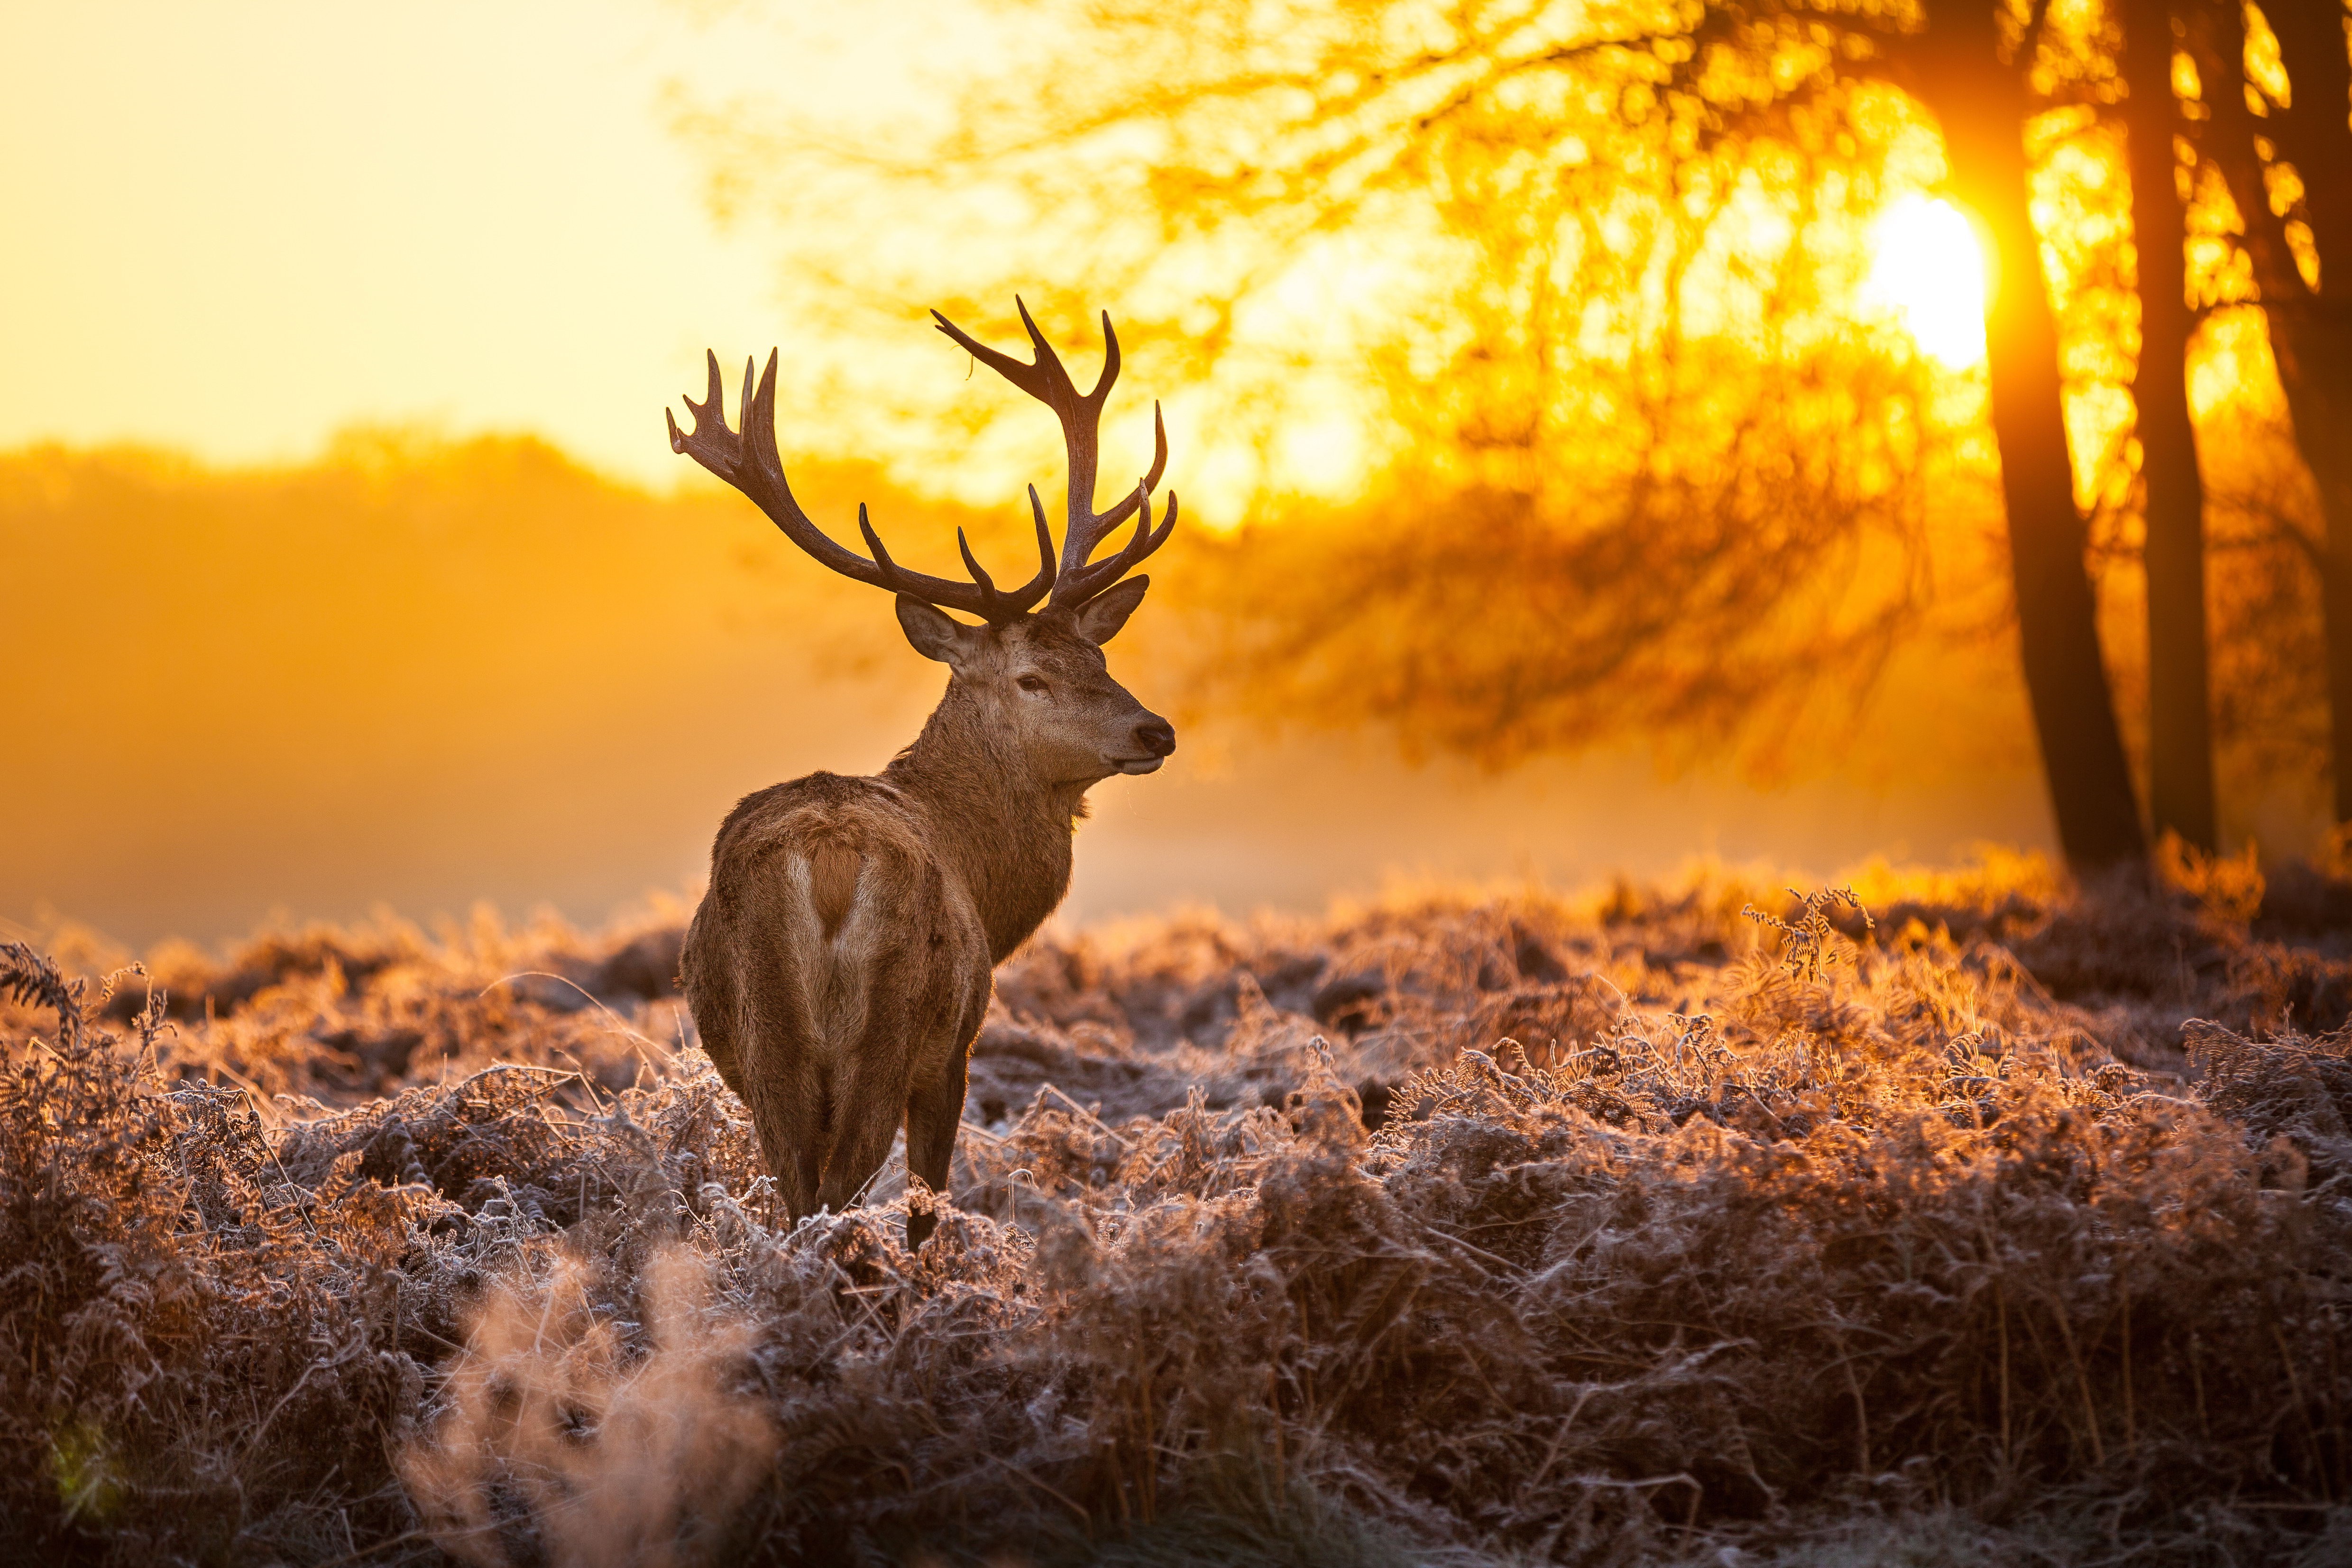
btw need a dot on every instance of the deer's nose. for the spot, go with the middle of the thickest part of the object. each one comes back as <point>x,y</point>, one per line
<point>1156,735</point>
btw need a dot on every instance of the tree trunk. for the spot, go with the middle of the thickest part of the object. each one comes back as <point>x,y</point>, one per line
<point>2179,713</point>
<point>2315,135</point>
<point>2310,329</point>
<point>1982,104</point>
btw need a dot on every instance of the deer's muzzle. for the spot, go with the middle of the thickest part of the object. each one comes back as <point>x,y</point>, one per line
<point>1154,739</point>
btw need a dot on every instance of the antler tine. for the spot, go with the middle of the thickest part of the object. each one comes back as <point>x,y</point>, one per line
<point>1044,533</point>
<point>1105,524</point>
<point>882,562</point>
<point>712,409</point>
<point>972,564</point>
<point>748,460</point>
<point>1159,449</point>
<point>1049,368</point>
<point>1110,364</point>
<point>758,396</point>
<point>1091,581</point>
<point>1030,379</point>
<point>1048,381</point>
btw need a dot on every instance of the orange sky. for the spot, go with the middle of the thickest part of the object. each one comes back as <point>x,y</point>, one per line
<point>252,223</point>
<point>238,225</point>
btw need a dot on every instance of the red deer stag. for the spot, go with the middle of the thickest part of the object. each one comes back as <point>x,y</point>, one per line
<point>839,966</point>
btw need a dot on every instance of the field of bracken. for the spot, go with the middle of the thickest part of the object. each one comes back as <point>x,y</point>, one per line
<point>1978,1217</point>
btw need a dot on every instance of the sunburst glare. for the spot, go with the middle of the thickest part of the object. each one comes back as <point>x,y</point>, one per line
<point>1927,269</point>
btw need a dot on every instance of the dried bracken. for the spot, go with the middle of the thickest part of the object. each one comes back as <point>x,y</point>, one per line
<point>2010,1224</point>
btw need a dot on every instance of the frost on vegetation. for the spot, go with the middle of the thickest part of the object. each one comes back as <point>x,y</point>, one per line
<point>553,1425</point>
<point>2000,1220</point>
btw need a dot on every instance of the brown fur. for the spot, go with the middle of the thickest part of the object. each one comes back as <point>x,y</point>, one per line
<point>840,965</point>
<point>833,882</point>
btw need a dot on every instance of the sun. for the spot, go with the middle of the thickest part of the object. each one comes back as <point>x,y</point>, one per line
<point>1927,269</point>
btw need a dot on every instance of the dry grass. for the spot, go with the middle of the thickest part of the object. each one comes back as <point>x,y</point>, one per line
<point>2012,1226</point>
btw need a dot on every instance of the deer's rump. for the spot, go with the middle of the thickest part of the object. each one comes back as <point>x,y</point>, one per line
<point>833,970</point>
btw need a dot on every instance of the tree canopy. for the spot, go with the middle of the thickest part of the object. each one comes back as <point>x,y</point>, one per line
<point>1574,298</point>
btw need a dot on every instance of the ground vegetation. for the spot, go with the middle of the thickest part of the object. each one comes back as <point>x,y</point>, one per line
<point>1956,1217</point>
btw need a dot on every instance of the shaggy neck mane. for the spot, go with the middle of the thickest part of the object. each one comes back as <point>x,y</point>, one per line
<point>1006,829</point>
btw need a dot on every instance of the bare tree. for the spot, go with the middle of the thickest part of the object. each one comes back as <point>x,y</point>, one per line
<point>2280,135</point>
<point>1976,82</point>
<point>2179,729</point>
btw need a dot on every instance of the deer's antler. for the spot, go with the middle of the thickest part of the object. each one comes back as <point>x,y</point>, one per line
<point>748,460</point>
<point>1081,416</point>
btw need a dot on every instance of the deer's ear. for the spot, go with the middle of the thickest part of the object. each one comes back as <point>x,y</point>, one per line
<point>1100,618</point>
<point>935,634</point>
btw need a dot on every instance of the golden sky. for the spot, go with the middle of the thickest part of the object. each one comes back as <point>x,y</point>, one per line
<point>236,226</point>
<point>245,224</point>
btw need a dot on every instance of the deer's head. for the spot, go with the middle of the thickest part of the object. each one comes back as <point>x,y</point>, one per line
<point>1036,676</point>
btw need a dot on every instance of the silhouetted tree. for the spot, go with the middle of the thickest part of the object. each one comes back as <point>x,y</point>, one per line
<point>1976,82</point>
<point>2180,724</point>
<point>2285,148</point>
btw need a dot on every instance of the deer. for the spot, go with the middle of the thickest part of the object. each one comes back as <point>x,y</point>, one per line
<point>842,958</point>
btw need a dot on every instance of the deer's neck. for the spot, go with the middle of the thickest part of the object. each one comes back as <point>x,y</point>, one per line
<point>1006,832</point>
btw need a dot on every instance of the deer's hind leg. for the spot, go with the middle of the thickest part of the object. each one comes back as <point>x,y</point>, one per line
<point>745,1033</point>
<point>784,1071</point>
<point>935,1109</point>
<point>900,1031</point>
<point>869,1121</point>
<point>793,1116</point>
<point>926,985</point>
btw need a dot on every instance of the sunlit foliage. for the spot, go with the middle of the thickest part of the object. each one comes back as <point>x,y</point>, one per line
<point>1570,289</point>
<point>1579,316</point>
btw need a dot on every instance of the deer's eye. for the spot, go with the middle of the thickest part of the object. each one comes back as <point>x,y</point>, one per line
<point>1031,683</point>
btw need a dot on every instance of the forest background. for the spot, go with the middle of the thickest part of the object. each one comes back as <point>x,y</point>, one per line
<point>1586,463</point>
